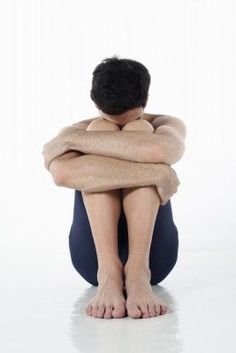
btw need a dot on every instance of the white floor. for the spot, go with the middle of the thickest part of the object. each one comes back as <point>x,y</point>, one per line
<point>42,309</point>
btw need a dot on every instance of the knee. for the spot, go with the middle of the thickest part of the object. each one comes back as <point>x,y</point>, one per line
<point>140,124</point>
<point>102,124</point>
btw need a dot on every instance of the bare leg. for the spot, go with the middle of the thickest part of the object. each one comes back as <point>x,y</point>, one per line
<point>103,209</point>
<point>140,207</point>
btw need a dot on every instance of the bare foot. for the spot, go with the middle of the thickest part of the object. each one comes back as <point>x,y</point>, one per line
<point>141,301</point>
<point>109,301</point>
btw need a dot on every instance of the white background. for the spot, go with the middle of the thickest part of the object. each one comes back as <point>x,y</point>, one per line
<point>48,52</point>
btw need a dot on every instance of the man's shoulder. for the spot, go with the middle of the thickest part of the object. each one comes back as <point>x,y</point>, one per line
<point>88,120</point>
<point>84,123</point>
<point>146,116</point>
<point>81,125</point>
<point>170,120</point>
<point>156,119</point>
<point>149,117</point>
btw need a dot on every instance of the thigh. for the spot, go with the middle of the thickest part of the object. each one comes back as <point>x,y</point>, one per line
<point>81,243</point>
<point>164,245</point>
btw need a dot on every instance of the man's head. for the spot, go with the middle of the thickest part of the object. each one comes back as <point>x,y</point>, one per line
<point>120,89</point>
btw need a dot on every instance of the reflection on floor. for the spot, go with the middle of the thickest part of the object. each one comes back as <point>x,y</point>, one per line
<point>42,309</point>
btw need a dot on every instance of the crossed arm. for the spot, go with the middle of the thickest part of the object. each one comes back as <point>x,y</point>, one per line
<point>166,145</point>
<point>129,158</point>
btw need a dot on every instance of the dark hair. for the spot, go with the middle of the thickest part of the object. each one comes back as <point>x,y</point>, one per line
<point>119,85</point>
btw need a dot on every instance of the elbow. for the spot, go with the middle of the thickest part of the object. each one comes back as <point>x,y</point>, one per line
<point>174,156</point>
<point>59,178</point>
<point>58,173</point>
<point>168,155</point>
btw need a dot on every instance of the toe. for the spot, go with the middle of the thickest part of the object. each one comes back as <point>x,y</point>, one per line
<point>94,310</point>
<point>133,311</point>
<point>158,309</point>
<point>108,312</point>
<point>101,310</point>
<point>88,310</point>
<point>151,309</point>
<point>144,310</point>
<point>118,311</point>
<point>91,311</point>
<point>163,308</point>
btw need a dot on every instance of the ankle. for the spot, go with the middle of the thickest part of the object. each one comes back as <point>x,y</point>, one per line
<point>110,264</point>
<point>110,271</point>
<point>136,267</point>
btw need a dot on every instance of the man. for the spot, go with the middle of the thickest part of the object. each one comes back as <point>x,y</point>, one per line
<point>122,239</point>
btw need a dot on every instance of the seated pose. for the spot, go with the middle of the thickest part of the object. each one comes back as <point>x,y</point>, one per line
<point>123,238</point>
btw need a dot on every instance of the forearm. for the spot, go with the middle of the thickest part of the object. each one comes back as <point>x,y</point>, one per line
<point>99,173</point>
<point>166,145</point>
<point>136,146</point>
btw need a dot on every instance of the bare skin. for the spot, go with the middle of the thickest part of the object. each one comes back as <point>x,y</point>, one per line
<point>141,301</point>
<point>110,301</point>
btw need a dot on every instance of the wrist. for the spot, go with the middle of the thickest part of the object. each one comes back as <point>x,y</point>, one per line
<point>161,172</point>
<point>72,141</point>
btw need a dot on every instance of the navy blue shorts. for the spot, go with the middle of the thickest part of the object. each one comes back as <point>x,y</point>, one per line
<point>163,251</point>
